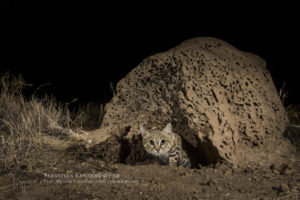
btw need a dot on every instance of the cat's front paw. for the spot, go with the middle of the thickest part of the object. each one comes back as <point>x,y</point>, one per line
<point>172,165</point>
<point>172,162</point>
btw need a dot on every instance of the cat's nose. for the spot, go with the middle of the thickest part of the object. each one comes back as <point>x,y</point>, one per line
<point>157,150</point>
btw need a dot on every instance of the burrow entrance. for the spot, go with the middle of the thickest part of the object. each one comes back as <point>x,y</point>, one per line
<point>122,150</point>
<point>132,152</point>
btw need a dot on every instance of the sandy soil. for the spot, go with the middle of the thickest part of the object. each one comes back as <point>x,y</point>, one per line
<point>70,176</point>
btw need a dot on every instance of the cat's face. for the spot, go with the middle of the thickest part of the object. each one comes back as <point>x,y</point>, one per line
<point>157,142</point>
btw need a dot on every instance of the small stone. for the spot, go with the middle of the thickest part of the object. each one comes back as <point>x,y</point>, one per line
<point>267,176</point>
<point>183,174</point>
<point>212,182</point>
<point>255,143</point>
<point>219,188</point>
<point>294,188</point>
<point>286,170</point>
<point>240,190</point>
<point>272,167</point>
<point>284,187</point>
<point>200,172</point>
<point>227,186</point>
<point>227,172</point>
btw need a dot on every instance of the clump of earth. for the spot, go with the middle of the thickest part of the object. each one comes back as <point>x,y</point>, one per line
<point>151,181</point>
<point>221,101</point>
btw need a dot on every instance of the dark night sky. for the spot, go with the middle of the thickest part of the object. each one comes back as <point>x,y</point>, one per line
<point>80,48</point>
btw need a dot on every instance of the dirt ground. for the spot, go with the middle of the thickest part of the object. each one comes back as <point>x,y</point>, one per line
<point>69,176</point>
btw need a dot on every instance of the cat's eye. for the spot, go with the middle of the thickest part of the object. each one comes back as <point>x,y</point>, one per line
<point>151,142</point>
<point>162,141</point>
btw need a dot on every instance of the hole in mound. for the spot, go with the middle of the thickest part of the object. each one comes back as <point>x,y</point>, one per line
<point>201,155</point>
<point>132,152</point>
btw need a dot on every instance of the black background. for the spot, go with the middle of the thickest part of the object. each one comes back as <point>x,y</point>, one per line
<point>81,47</point>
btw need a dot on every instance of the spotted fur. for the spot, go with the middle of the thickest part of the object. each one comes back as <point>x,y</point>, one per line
<point>166,146</point>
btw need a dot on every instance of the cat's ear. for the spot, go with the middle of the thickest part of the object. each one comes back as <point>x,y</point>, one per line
<point>143,131</point>
<point>168,128</point>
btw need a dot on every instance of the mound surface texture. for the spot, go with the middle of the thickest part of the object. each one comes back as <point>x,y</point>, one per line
<point>220,100</point>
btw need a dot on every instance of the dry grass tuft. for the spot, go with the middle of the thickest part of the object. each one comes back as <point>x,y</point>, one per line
<point>30,126</point>
<point>283,93</point>
<point>88,116</point>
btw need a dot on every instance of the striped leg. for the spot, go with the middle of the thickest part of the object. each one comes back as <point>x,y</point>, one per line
<point>173,158</point>
<point>173,161</point>
<point>185,161</point>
